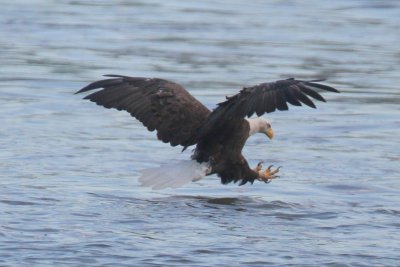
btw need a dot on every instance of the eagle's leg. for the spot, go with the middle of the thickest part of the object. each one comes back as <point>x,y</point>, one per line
<point>267,175</point>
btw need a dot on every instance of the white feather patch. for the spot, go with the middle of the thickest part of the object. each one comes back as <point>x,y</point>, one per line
<point>174,175</point>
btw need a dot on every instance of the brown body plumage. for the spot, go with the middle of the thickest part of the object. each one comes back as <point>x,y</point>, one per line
<point>180,119</point>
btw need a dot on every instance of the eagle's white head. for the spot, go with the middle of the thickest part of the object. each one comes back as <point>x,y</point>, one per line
<point>260,125</point>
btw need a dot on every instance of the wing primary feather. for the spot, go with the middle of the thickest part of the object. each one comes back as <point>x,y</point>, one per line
<point>322,86</point>
<point>125,102</point>
<point>260,105</point>
<point>100,84</point>
<point>110,94</point>
<point>270,104</point>
<point>250,104</point>
<point>304,99</point>
<point>281,101</point>
<point>114,75</point>
<point>113,97</point>
<point>311,93</point>
<point>290,97</point>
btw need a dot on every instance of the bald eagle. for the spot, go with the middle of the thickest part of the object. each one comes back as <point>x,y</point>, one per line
<point>219,134</point>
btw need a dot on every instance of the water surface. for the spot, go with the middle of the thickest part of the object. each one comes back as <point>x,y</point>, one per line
<point>69,194</point>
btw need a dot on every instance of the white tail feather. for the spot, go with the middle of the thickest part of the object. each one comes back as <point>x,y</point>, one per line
<point>173,175</point>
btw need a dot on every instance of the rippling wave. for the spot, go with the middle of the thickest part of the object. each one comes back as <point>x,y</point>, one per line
<point>69,194</point>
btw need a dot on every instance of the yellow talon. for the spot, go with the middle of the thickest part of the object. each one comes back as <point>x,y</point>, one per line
<point>268,174</point>
<point>259,167</point>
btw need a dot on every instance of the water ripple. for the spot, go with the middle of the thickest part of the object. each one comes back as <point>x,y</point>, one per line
<point>69,190</point>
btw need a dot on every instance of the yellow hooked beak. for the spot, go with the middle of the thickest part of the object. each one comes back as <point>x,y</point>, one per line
<point>270,133</point>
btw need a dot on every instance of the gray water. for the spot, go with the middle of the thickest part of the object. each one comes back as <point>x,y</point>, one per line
<point>69,194</point>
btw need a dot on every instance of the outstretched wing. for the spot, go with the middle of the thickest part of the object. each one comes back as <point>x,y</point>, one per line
<point>159,104</point>
<point>265,98</point>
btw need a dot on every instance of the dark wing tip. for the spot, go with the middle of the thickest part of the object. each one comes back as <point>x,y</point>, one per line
<point>321,86</point>
<point>84,89</point>
<point>114,75</point>
<point>102,83</point>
